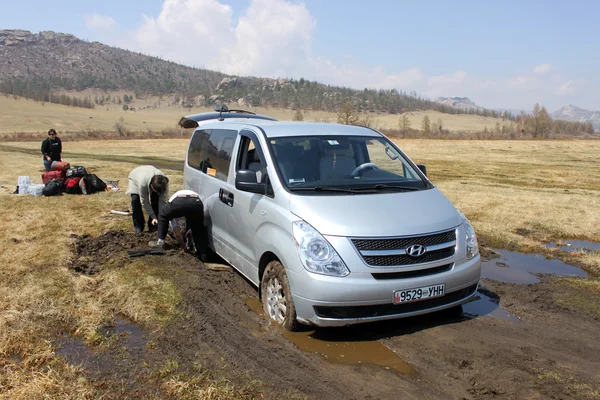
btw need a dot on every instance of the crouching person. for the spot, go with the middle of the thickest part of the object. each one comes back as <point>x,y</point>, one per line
<point>148,187</point>
<point>183,204</point>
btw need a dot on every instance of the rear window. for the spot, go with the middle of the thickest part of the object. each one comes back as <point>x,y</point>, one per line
<point>210,151</point>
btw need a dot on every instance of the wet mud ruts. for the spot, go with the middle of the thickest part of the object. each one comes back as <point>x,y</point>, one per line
<point>466,356</point>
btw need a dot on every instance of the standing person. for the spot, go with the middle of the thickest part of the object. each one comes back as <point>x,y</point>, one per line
<point>183,204</point>
<point>148,187</point>
<point>51,149</point>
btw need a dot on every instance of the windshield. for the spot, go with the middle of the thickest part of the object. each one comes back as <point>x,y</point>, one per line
<point>341,164</point>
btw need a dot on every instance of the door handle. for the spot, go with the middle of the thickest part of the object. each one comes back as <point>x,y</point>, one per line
<point>226,197</point>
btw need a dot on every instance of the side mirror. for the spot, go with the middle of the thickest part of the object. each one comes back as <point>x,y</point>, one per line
<point>423,169</point>
<point>245,180</point>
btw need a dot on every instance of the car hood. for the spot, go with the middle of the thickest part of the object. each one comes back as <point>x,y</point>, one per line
<point>372,215</point>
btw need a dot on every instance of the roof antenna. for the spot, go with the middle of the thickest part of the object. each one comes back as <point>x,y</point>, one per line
<point>221,108</point>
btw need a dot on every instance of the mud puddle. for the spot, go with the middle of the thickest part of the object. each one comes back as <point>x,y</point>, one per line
<point>575,246</point>
<point>487,304</point>
<point>342,346</point>
<point>514,267</point>
<point>129,336</point>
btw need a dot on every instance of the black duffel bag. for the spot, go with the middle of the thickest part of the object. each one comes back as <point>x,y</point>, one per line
<point>54,188</point>
<point>92,184</point>
<point>76,171</point>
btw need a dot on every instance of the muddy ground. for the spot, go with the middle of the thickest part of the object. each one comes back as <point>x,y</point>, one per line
<point>543,351</point>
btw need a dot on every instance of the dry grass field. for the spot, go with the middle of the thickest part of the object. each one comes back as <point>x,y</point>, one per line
<point>518,195</point>
<point>24,115</point>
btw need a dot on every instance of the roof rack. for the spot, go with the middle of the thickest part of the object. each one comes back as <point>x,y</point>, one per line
<point>222,112</point>
<point>221,108</point>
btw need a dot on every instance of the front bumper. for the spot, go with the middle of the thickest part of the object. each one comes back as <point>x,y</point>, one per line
<point>358,298</point>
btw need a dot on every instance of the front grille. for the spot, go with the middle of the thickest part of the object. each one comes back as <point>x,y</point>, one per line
<point>412,274</point>
<point>392,309</point>
<point>405,259</point>
<point>404,242</point>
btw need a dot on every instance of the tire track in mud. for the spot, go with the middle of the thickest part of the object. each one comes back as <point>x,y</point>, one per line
<point>552,353</point>
<point>219,320</point>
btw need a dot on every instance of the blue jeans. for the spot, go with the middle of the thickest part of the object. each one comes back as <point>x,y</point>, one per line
<point>47,165</point>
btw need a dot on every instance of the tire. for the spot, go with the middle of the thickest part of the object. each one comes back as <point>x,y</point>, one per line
<point>277,297</point>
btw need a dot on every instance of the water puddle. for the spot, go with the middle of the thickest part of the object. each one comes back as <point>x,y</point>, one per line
<point>488,305</point>
<point>133,335</point>
<point>575,246</point>
<point>76,352</point>
<point>342,346</point>
<point>513,267</point>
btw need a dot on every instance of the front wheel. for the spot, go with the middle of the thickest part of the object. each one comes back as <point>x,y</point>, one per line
<point>277,297</point>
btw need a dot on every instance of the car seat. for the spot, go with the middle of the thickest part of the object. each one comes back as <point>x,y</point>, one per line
<point>336,163</point>
<point>255,165</point>
<point>287,157</point>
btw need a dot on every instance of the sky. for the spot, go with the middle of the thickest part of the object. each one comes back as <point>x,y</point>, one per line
<point>500,54</point>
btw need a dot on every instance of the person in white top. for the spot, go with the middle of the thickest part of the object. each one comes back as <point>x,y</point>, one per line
<point>148,187</point>
<point>183,204</point>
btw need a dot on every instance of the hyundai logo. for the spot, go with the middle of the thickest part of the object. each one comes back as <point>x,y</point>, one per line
<point>416,250</point>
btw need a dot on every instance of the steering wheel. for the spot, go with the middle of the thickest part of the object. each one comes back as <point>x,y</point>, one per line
<point>362,168</point>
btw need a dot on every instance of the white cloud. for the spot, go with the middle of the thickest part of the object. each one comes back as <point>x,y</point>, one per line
<point>489,84</point>
<point>566,88</point>
<point>445,84</point>
<point>96,21</point>
<point>544,69</point>
<point>519,82</point>
<point>271,38</point>
<point>274,38</point>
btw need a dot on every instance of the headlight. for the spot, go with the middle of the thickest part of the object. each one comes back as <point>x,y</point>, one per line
<point>472,246</point>
<point>316,253</point>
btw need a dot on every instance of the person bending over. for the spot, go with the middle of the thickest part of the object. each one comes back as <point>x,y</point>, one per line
<point>148,188</point>
<point>183,204</point>
<point>51,149</point>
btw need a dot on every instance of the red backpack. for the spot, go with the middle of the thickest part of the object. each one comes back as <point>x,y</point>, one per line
<point>72,185</point>
<point>60,166</point>
<point>48,176</point>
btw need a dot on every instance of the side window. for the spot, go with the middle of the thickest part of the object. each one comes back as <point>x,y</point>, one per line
<point>219,148</point>
<point>248,158</point>
<point>197,150</point>
<point>210,151</point>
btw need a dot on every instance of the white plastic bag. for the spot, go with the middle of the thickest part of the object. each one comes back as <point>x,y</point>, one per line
<point>24,189</point>
<point>36,190</point>
<point>23,180</point>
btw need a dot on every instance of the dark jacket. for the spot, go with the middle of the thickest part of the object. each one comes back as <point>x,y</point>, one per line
<point>52,148</point>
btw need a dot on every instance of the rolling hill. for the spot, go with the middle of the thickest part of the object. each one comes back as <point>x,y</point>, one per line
<point>33,65</point>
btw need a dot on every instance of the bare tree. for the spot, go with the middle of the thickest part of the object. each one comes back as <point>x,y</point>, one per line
<point>426,125</point>
<point>298,115</point>
<point>347,114</point>
<point>404,124</point>
<point>367,121</point>
<point>440,125</point>
<point>540,121</point>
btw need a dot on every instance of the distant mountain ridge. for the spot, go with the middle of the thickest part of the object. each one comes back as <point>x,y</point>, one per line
<point>576,114</point>
<point>32,65</point>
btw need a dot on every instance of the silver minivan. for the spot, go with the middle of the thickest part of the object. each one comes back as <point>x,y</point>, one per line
<point>333,223</point>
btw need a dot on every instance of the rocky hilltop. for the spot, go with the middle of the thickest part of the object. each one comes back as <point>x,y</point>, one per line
<point>461,103</point>
<point>576,114</point>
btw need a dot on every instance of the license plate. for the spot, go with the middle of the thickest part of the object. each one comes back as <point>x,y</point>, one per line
<point>416,294</point>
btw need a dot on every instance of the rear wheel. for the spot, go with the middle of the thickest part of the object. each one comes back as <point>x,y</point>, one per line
<point>277,297</point>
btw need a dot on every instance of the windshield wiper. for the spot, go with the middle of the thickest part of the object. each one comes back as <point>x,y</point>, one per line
<point>323,189</point>
<point>381,186</point>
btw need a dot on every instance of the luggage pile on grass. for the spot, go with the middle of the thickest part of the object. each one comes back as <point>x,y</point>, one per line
<point>65,179</point>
